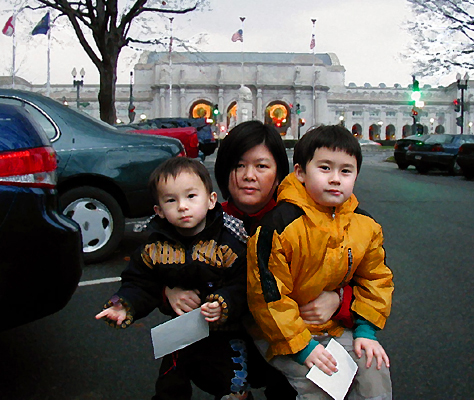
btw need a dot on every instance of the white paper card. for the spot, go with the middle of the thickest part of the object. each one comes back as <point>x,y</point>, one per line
<point>338,383</point>
<point>179,332</point>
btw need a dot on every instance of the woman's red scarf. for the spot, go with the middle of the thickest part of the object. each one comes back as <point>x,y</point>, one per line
<point>251,221</point>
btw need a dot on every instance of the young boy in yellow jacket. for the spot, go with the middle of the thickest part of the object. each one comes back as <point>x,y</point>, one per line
<point>318,239</point>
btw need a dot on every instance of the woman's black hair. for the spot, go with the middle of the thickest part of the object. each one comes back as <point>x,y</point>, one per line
<point>333,137</point>
<point>242,138</point>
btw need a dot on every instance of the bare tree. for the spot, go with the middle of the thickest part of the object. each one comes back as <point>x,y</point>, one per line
<point>443,36</point>
<point>104,28</point>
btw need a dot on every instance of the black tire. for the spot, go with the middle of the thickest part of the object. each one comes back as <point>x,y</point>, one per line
<point>422,169</point>
<point>454,168</point>
<point>100,217</point>
<point>402,165</point>
<point>468,174</point>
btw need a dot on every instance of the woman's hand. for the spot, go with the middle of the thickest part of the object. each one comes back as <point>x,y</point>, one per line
<point>321,309</point>
<point>182,301</point>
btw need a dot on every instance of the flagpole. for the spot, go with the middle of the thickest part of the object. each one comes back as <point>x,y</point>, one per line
<point>170,61</point>
<point>14,49</point>
<point>48,79</point>
<point>314,69</point>
<point>242,19</point>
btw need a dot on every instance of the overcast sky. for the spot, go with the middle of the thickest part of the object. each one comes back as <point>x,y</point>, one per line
<point>366,35</point>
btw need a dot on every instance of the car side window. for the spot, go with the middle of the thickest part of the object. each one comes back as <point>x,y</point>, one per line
<point>49,128</point>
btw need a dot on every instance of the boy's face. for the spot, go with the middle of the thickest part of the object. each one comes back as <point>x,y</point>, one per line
<point>330,176</point>
<point>184,202</point>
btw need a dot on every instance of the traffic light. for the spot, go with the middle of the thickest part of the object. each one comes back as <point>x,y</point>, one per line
<point>215,111</point>
<point>415,94</point>
<point>459,121</point>
<point>301,122</point>
<point>457,105</point>
<point>415,114</point>
<point>298,108</point>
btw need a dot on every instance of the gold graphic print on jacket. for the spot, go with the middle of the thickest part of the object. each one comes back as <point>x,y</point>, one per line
<point>204,251</point>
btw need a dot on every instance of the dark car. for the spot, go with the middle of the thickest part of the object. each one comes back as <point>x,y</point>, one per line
<point>102,173</point>
<point>466,160</point>
<point>438,151</point>
<point>401,147</point>
<point>207,141</point>
<point>41,250</point>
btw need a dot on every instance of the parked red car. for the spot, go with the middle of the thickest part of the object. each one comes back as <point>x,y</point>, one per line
<point>187,136</point>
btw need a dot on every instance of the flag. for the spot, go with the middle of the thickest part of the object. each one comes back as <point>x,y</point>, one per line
<point>9,28</point>
<point>43,26</point>
<point>239,35</point>
<point>313,42</point>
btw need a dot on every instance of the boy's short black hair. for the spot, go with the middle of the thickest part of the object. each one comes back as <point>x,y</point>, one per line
<point>242,138</point>
<point>333,137</point>
<point>173,167</point>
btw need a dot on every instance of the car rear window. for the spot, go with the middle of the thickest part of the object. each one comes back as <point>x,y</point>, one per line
<point>17,131</point>
<point>441,139</point>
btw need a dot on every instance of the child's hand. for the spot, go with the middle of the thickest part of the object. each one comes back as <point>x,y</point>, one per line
<point>372,349</point>
<point>321,309</point>
<point>116,313</point>
<point>322,359</point>
<point>182,301</point>
<point>212,311</point>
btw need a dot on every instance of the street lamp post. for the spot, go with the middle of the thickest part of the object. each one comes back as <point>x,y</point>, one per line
<point>462,86</point>
<point>78,83</point>
<point>380,123</point>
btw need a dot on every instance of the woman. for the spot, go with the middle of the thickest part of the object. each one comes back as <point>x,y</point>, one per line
<point>251,162</point>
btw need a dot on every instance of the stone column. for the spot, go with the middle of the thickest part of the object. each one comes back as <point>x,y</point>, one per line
<point>365,124</point>
<point>321,108</point>
<point>182,103</point>
<point>162,105</point>
<point>399,126</point>
<point>260,111</point>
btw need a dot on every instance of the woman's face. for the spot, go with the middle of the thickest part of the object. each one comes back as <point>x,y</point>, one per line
<point>253,182</point>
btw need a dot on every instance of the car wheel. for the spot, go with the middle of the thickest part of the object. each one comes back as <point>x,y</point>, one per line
<point>100,217</point>
<point>454,168</point>
<point>422,169</point>
<point>402,165</point>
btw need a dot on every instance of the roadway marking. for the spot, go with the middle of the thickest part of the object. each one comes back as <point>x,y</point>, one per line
<point>99,281</point>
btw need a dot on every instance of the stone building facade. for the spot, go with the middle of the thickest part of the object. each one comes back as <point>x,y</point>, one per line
<point>279,88</point>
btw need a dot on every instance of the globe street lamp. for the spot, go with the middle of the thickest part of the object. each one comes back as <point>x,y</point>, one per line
<point>78,83</point>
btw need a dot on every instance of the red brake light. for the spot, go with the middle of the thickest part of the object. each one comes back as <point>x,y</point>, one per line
<point>411,147</point>
<point>437,147</point>
<point>31,167</point>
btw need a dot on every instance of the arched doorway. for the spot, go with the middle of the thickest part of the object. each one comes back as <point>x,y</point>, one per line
<point>278,114</point>
<point>231,115</point>
<point>357,130</point>
<point>440,129</point>
<point>390,132</point>
<point>201,109</point>
<point>374,132</point>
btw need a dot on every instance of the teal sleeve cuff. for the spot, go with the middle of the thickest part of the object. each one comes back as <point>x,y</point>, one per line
<point>364,329</point>
<point>302,355</point>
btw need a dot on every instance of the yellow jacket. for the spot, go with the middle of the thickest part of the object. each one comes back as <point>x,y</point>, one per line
<point>302,249</point>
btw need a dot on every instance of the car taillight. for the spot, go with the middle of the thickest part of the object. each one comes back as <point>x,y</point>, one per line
<point>411,147</point>
<point>461,150</point>
<point>31,167</point>
<point>437,147</point>
<point>396,146</point>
